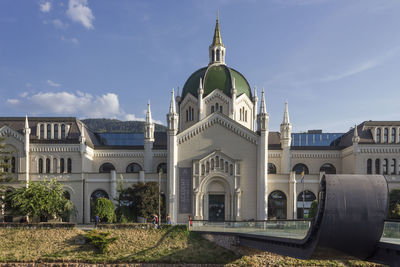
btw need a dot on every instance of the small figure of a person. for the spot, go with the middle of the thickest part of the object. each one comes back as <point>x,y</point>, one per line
<point>155,221</point>
<point>96,220</point>
<point>168,219</point>
<point>190,222</point>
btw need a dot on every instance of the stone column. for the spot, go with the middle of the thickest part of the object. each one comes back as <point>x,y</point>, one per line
<point>113,186</point>
<point>238,203</point>
<point>291,211</point>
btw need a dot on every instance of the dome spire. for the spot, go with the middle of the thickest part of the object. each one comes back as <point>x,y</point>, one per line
<point>217,40</point>
<point>217,48</point>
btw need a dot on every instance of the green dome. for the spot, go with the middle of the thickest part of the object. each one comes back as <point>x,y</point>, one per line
<point>216,77</point>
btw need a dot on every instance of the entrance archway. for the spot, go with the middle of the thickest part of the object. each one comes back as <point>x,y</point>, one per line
<point>214,202</point>
<point>93,198</point>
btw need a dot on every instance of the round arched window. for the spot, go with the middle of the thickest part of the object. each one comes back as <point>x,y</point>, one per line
<point>277,205</point>
<point>328,168</point>
<point>304,200</point>
<point>93,198</point>
<point>106,168</point>
<point>299,168</point>
<point>162,167</point>
<point>133,167</point>
<point>271,168</point>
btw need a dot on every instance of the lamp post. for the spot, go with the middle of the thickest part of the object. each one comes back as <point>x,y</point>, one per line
<point>159,196</point>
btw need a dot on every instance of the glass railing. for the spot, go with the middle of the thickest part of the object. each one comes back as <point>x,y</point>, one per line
<point>296,229</point>
<point>391,232</point>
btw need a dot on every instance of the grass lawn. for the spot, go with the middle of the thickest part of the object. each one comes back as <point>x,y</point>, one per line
<point>174,245</point>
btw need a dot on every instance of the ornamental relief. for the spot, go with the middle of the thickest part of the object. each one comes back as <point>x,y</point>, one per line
<point>216,164</point>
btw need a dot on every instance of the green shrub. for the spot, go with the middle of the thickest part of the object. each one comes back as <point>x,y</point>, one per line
<point>394,204</point>
<point>105,209</point>
<point>100,240</point>
<point>313,209</point>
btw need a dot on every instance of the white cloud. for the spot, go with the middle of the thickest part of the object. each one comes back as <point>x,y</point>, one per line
<point>45,7</point>
<point>73,40</point>
<point>58,24</point>
<point>79,11</point>
<point>54,84</point>
<point>132,117</point>
<point>78,104</point>
<point>24,94</point>
<point>12,101</point>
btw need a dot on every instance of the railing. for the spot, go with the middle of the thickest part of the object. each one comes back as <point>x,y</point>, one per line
<point>296,229</point>
<point>391,232</point>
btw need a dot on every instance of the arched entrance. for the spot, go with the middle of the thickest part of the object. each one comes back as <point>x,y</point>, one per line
<point>214,201</point>
<point>304,200</point>
<point>277,205</point>
<point>93,198</point>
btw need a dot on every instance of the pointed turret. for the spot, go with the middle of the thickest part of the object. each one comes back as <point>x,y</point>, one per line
<point>233,93</point>
<point>286,115</point>
<point>82,137</point>
<point>217,48</point>
<point>263,109</point>
<point>286,140</point>
<point>178,96</point>
<point>172,116</point>
<point>27,132</point>
<point>356,138</point>
<point>148,113</point>
<point>200,105</point>
<point>172,108</point>
<point>217,40</point>
<point>148,140</point>
<point>262,161</point>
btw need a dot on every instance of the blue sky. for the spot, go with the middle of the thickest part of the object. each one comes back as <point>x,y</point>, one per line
<point>335,62</point>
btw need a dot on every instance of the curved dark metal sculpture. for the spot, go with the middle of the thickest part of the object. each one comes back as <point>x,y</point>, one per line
<point>350,219</point>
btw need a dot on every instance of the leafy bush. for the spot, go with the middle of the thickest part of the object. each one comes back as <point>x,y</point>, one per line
<point>100,240</point>
<point>394,204</point>
<point>41,199</point>
<point>313,209</point>
<point>146,200</point>
<point>105,209</point>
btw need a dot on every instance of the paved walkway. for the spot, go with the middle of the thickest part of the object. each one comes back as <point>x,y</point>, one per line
<point>85,227</point>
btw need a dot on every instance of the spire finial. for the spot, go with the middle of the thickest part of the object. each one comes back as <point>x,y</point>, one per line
<point>82,130</point>
<point>148,114</point>
<point>286,114</point>
<point>262,104</point>
<point>26,122</point>
<point>172,108</point>
<point>217,40</point>
<point>201,83</point>
<point>355,138</point>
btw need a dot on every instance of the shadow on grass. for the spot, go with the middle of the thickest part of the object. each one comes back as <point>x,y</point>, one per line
<point>167,250</point>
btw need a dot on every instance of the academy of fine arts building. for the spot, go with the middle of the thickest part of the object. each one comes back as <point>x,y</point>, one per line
<point>218,158</point>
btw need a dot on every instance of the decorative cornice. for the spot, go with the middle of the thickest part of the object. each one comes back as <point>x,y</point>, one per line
<point>380,150</point>
<point>160,154</point>
<point>118,154</point>
<point>7,131</point>
<point>216,94</point>
<point>55,148</point>
<point>274,154</point>
<point>217,118</point>
<point>313,155</point>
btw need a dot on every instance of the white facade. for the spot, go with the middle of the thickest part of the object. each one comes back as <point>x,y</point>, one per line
<point>222,161</point>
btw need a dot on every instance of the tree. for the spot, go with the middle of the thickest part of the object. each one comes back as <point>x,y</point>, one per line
<point>394,204</point>
<point>125,211</point>
<point>43,200</point>
<point>4,174</point>
<point>145,200</point>
<point>313,209</point>
<point>105,209</point>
